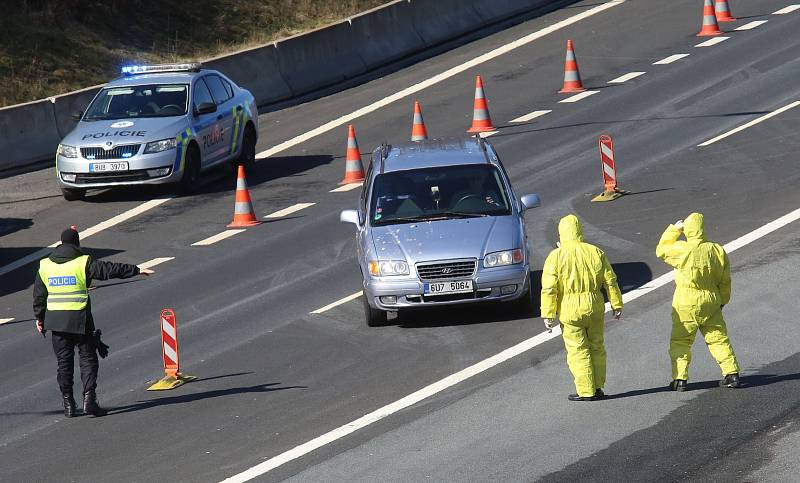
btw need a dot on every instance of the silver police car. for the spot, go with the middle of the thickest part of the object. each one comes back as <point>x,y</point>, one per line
<point>439,224</point>
<point>157,124</point>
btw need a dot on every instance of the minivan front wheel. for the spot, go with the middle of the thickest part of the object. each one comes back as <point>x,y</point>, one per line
<point>374,317</point>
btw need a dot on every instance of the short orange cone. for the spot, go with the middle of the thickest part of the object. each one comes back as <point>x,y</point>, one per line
<point>572,76</point>
<point>481,121</point>
<point>722,11</point>
<point>418,130</point>
<point>243,213</point>
<point>710,26</point>
<point>353,168</point>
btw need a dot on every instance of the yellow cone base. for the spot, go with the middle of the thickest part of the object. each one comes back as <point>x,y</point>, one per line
<point>610,195</point>
<point>171,382</point>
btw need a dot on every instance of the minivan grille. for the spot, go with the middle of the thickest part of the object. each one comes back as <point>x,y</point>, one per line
<point>119,152</point>
<point>446,270</point>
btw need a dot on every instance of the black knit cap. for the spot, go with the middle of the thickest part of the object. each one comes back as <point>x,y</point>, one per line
<point>70,237</point>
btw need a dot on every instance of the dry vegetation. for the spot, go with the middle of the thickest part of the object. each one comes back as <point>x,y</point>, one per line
<point>49,47</point>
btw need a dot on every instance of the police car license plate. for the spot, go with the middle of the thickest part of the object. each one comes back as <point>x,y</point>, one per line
<point>104,167</point>
<point>444,288</point>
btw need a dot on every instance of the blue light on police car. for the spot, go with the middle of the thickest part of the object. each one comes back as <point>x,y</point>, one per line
<point>127,155</point>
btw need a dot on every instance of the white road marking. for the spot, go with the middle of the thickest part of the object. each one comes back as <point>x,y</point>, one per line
<point>710,42</point>
<point>533,115</point>
<point>338,302</point>
<point>482,366</point>
<point>438,78</point>
<point>785,10</point>
<point>156,261</point>
<point>751,25</point>
<point>288,211</point>
<point>39,254</point>
<point>750,124</point>
<point>625,78</point>
<point>486,134</point>
<point>347,187</point>
<point>670,59</point>
<point>219,236</point>
<point>578,97</point>
<point>5,321</point>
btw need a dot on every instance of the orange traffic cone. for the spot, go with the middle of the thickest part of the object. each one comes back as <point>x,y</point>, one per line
<point>481,121</point>
<point>353,169</point>
<point>572,76</point>
<point>243,213</point>
<point>722,11</point>
<point>418,131</point>
<point>710,26</point>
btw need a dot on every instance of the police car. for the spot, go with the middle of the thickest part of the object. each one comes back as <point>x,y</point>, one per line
<point>158,124</point>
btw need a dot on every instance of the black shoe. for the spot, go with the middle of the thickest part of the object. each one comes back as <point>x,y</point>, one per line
<point>678,385</point>
<point>90,406</point>
<point>575,397</point>
<point>599,394</point>
<point>731,380</point>
<point>69,404</point>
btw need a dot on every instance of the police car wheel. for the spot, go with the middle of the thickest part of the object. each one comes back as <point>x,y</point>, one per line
<point>248,155</point>
<point>73,194</point>
<point>191,172</point>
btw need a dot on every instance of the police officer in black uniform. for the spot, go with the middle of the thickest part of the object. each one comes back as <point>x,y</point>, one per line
<point>61,305</point>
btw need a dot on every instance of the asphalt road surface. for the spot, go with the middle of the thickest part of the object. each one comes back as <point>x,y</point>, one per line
<point>272,376</point>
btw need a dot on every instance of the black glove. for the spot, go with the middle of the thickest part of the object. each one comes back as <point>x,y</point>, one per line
<point>102,349</point>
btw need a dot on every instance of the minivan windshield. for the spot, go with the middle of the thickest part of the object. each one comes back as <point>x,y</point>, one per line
<point>153,100</point>
<point>460,191</point>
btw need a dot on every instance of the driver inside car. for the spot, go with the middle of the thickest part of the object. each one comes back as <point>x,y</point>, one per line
<point>477,190</point>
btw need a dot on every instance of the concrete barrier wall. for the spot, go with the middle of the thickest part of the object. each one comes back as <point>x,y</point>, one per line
<point>286,69</point>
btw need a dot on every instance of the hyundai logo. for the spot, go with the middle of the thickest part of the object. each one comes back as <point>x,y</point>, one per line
<point>447,270</point>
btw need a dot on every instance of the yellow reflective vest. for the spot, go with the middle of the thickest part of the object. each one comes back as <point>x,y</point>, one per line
<point>66,283</point>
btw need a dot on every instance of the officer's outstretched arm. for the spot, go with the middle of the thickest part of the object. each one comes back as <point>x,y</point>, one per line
<point>100,270</point>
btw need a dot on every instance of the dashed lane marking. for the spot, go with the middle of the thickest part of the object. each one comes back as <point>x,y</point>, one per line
<point>347,187</point>
<point>785,10</point>
<point>532,115</point>
<point>487,134</point>
<point>578,97</point>
<point>751,25</point>
<point>338,302</point>
<point>670,59</point>
<point>288,211</point>
<point>156,261</point>
<point>214,239</point>
<point>5,321</point>
<point>38,255</point>
<point>625,78</point>
<point>750,124</point>
<point>482,366</point>
<point>711,42</point>
<point>492,54</point>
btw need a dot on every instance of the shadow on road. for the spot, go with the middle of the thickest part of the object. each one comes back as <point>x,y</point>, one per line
<point>11,225</point>
<point>747,382</point>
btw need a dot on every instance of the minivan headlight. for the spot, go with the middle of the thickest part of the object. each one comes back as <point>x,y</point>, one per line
<point>506,257</point>
<point>162,145</point>
<point>388,268</point>
<point>67,151</point>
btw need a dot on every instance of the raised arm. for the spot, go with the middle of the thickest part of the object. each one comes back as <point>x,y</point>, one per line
<point>669,248</point>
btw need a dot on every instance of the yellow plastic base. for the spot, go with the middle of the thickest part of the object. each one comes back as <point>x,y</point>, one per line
<point>169,382</point>
<point>610,195</point>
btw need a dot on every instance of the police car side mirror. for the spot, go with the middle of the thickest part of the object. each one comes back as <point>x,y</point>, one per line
<point>76,116</point>
<point>206,108</point>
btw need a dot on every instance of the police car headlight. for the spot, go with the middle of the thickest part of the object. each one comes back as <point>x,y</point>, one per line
<point>67,151</point>
<point>506,257</point>
<point>162,145</point>
<point>388,268</point>
<point>158,172</point>
<point>69,178</point>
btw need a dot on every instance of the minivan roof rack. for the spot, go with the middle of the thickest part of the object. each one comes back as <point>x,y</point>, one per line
<point>385,148</point>
<point>482,145</point>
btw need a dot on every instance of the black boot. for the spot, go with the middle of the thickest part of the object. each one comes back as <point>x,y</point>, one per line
<point>69,404</point>
<point>678,385</point>
<point>90,406</point>
<point>575,397</point>
<point>731,380</point>
<point>599,394</point>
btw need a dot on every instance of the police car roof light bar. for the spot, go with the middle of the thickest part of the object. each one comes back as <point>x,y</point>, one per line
<point>148,69</point>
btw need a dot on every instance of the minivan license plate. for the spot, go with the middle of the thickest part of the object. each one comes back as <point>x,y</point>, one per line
<point>444,288</point>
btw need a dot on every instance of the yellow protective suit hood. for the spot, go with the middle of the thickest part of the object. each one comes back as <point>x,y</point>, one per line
<point>570,229</point>
<point>693,228</point>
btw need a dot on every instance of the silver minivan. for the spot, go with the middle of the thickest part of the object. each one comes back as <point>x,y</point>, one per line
<point>438,223</point>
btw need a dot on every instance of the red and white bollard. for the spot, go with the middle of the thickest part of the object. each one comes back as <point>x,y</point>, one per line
<point>609,170</point>
<point>170,354</point>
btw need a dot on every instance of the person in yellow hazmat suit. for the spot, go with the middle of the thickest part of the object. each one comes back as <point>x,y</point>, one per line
<point>572,278</point>
<point>702,288</point>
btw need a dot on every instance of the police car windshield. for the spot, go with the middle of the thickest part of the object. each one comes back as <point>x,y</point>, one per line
<point>154,100</point>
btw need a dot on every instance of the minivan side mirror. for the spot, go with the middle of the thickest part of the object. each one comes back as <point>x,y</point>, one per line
<point>530,201</point>
<point>206,108</point>
<point>349,216</point>
<point>76,116</point>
